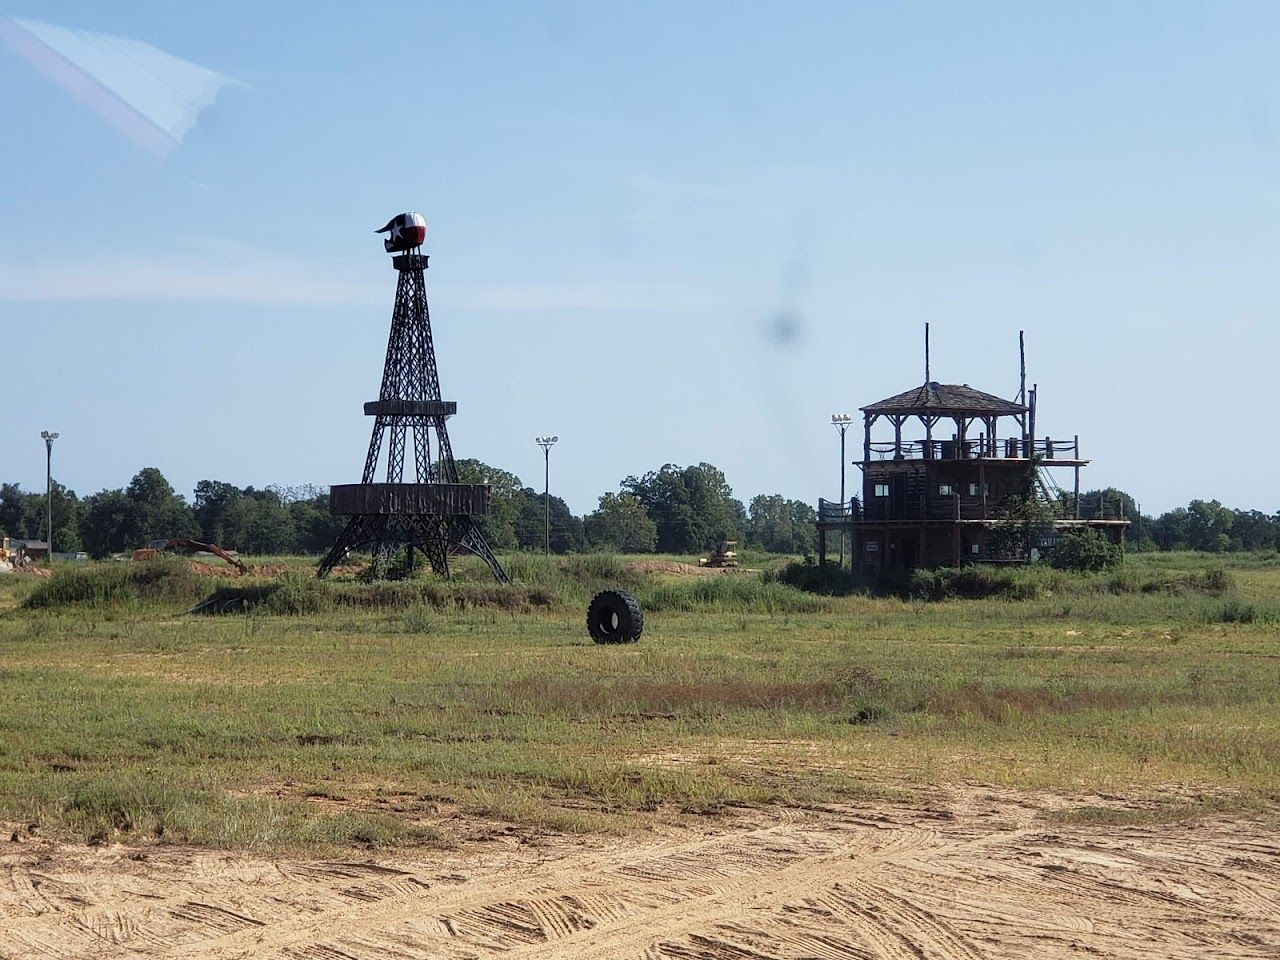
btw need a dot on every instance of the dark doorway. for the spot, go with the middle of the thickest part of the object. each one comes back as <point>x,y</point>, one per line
<point>899,491</point>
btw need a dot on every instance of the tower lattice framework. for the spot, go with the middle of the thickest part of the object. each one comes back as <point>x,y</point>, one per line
<point>436,514</point>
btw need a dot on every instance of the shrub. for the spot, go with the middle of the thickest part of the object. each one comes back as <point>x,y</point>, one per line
<point>827,578</point>
<point>1235,611</point>
<point>1084,550</point>
<point>160,579</point>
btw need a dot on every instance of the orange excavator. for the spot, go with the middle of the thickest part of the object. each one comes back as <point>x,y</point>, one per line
<point>182,544</point>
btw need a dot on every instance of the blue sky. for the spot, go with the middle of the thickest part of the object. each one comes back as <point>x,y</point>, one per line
<point>665,232</point>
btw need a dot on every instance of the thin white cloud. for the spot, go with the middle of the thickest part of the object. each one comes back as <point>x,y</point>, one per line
<point>255,280</point>
<point>226,271</point>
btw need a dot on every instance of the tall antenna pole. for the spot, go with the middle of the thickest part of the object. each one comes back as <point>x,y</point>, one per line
<point>1022,390</point>
<point>1022,367</point>
<point>926,353</point>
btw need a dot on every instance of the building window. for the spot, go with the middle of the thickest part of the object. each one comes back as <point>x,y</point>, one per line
<point>880,490</point>
<point>975,549</point>
<point>979,489</point>
<point>946,489</point>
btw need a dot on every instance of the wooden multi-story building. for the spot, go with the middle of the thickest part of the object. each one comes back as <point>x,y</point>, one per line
<point>939,497</point>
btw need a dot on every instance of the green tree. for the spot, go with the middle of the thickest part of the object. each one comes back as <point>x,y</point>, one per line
<point>20,513</point>
<point>157,513</point>
<point>66,520</point>
<point>531,524</point>
<point>1027,521</point>
<point>1170,530</point>
<point>1209,526</point>
<point>1252,530</point>
<point>1106,504</point>
<point>24,516</point>
<point>780,525</point>
<point>315,529</point>
<point>214,507</point>
<point>499,527</point>
<point>106,522</point>
<point>692,507</point>
<point>267,525</point>
<point>620,523</point>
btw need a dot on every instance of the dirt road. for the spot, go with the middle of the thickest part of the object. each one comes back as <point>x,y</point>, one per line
<point>982,874</point>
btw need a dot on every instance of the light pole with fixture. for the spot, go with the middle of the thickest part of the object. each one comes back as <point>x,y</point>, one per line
<point>841,422</point>
<point>48,486</point>
<point>545,443</point>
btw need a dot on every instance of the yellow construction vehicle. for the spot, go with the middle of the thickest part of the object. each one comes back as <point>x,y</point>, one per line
<point>723,556</point>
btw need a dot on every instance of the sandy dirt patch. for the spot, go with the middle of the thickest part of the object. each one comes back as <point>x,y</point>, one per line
<point>979,874</point>
<point>677,568</point>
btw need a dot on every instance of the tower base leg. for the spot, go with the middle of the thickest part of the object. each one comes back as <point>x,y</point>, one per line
<point>383,536</point>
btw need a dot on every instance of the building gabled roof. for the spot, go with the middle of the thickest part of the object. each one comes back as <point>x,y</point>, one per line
<point>946,399</point>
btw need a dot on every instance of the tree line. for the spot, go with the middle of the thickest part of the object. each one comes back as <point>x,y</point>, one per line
<point>672,510</point>
<point>669,510</point>
<point>1204,525</point>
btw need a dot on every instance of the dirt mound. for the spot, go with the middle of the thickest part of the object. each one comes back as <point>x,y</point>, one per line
<point>269,569</point>
<point>212,570</point>
<point>252,570</point>
<point>678,568</point>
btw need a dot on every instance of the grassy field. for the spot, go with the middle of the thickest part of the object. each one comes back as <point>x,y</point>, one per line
<point>340,714</point>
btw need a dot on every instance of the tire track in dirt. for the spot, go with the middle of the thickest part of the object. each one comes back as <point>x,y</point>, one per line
<point>606,888</point>
<point>891,882</point>
<point>615,911</point>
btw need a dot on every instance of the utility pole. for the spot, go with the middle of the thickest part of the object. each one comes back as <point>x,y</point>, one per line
<point>545,443</point>
<point>841,422</point>
<point>48,487</point>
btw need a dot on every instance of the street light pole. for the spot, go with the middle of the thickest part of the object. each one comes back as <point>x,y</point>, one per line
<point>48,487</point>
<point>545,443</point>
<point>841,422</point>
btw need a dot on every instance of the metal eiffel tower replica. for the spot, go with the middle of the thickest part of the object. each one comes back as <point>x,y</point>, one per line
<point>435,515</point>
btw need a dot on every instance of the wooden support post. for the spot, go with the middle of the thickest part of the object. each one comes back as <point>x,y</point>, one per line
<point>982,487</point>
<point>1031,423</point>
<point>1077,494</point>
<point>867,420</point>
<point>897,437</point>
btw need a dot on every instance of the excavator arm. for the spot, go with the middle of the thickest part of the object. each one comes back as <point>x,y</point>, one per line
<point>182,543</point>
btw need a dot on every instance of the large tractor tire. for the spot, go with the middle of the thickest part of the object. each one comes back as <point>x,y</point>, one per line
<point>614,617</point>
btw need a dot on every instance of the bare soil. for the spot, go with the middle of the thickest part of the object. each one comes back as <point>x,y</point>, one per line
<point>682,569</point>
<point>974,873</point>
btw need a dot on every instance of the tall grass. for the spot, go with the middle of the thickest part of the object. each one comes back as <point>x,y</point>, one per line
<point>99,585</point>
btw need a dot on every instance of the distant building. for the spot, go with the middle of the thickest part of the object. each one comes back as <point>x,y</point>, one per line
<point>940,497</point>
<point>30,549</point>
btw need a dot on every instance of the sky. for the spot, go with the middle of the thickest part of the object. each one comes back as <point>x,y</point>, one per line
<point>665,232</point>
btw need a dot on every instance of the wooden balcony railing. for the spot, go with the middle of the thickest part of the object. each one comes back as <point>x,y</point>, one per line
<point>833,511</point>
<point>1002,448</point>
